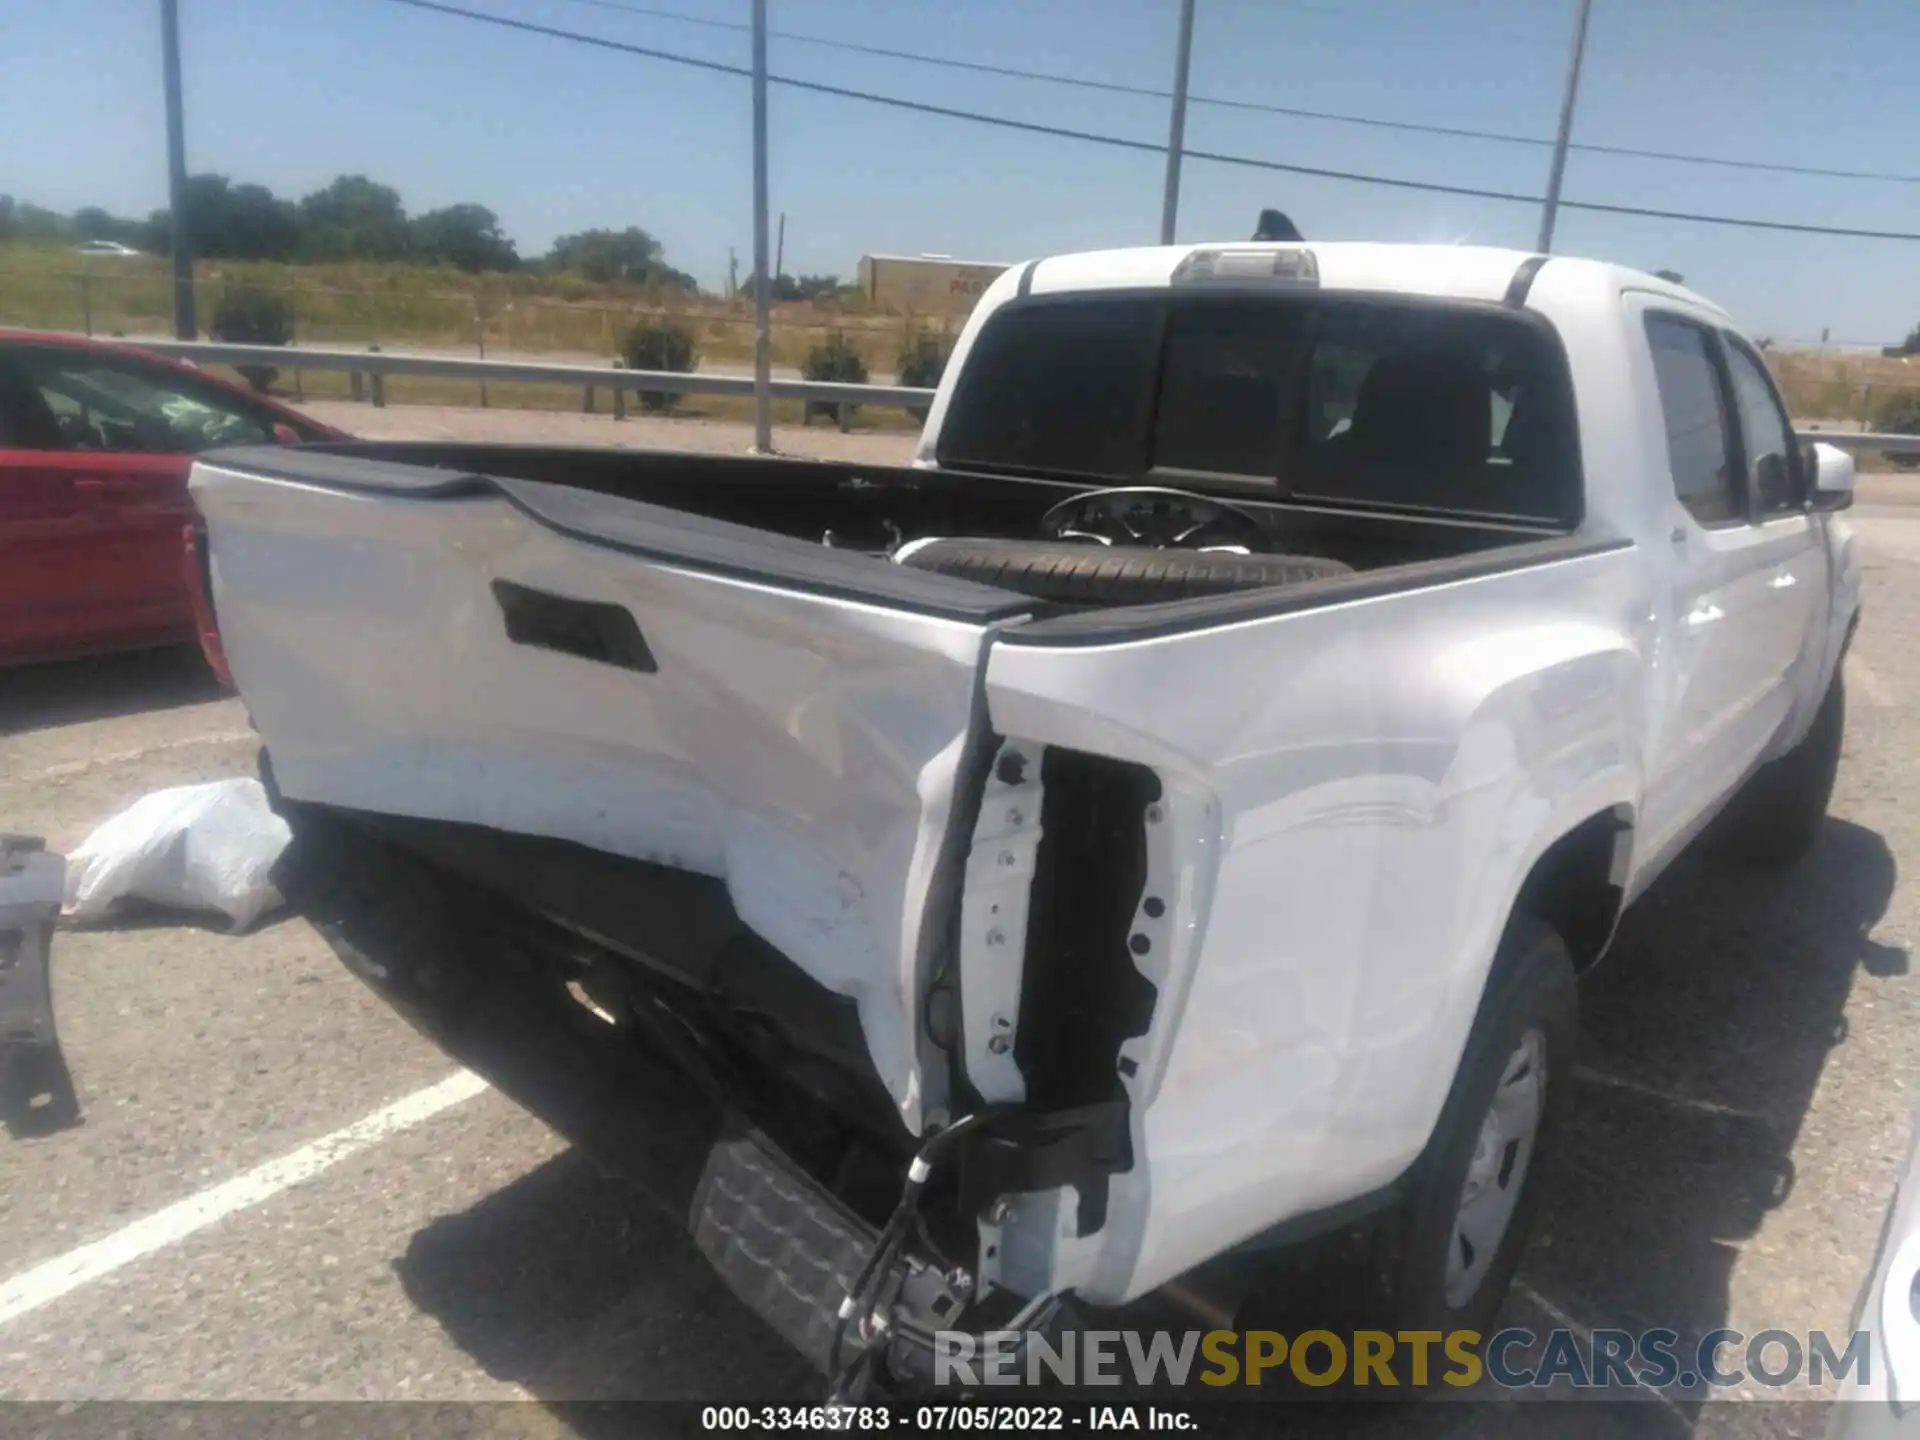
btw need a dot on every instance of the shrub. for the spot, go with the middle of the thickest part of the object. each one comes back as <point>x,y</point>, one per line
<point>1899,414</point>
<point>248,315</point>
<point>656,345</point>
<point>923,360</point>
<point>835,361</point>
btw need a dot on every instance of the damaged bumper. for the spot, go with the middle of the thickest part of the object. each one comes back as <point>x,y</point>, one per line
<point>501,990</point>
<point>36,1089</point>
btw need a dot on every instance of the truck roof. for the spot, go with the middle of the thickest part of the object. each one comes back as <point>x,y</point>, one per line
<point>1451,272</point>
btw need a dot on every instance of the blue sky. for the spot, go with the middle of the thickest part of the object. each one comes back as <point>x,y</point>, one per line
<point>558,137</point>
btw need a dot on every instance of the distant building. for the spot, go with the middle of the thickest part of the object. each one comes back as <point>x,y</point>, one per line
<point>926,284</point>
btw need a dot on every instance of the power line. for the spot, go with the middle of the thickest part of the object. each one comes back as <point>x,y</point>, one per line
<point>1114,87</point>
<point>1119,142</point>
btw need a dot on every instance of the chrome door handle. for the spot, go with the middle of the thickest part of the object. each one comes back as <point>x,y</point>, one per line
<point>1705,615</point>
<point>1783,581</point>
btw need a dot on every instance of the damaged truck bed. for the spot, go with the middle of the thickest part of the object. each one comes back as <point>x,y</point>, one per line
<point>1072,860</point>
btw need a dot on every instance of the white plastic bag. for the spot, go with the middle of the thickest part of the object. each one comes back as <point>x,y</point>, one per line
<point>196,847</point>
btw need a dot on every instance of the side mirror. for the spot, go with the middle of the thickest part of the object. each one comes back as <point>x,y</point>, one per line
<point>1832,477</point>
<point>285,434</point>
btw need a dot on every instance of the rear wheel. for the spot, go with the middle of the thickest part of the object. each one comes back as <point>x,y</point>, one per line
<point>1445,1261</point>
<point>1443,1257</point>
<point>1780,811</point>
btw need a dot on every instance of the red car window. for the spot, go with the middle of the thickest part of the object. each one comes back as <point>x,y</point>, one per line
<point>104,403</point>
<point>27,422</point>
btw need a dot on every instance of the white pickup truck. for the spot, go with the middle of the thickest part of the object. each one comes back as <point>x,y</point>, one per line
<point>1167,819</point>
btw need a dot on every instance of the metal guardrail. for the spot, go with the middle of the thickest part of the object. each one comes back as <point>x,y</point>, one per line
<point>1862,440</point>
<point>380,363</point>
<point>377,363</point>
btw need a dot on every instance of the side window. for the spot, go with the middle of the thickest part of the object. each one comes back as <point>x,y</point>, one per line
<point>103,405</point>
<point>26,420</point>
<point>1766,435</point>
<point>1698,435</point>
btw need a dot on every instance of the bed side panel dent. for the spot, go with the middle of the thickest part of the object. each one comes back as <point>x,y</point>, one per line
<point>1364,790</point>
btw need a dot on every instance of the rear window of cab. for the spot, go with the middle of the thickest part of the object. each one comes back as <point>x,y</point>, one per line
<point>1338,399</point>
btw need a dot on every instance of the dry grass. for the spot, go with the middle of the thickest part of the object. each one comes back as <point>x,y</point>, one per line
<point>418,306</point>
<point>1830,386</point>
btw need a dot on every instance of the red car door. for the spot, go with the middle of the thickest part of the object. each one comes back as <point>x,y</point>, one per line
<point>126,586</point>
<point>94,453</point>
<point>46,533</point>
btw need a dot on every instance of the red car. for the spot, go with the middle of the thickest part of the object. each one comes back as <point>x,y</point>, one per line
<point>95,525</point>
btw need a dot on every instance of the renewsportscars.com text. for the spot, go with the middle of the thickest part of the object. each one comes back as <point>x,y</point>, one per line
<point>1381,1360</point>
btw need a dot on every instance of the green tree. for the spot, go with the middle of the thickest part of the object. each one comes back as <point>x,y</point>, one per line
<point>467,236</point>
<point>36,222</point>
<point>90,222</point>
<point>353,218</point>
<point>259,225</point>
<point>226,222</point>
<point>629,254</point>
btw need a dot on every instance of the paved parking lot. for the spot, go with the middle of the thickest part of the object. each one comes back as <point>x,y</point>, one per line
<point>277,1193</point>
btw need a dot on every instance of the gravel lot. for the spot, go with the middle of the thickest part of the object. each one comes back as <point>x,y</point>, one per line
<point>1752,1059</point>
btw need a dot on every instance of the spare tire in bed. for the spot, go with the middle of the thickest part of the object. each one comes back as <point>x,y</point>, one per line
<point>1076,573</point>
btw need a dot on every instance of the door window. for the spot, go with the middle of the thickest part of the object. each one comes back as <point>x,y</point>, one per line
<point>26,421</point>
<point>100,403</point>
<point>1698,435</point>
<point>1766,435</point>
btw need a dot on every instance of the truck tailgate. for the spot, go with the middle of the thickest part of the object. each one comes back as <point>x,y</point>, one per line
<point>785,717</point>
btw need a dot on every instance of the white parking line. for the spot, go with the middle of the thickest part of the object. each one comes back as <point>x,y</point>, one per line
<point>1666,1097</point>
<point>66,1273</point>
<point>1566,1322</point>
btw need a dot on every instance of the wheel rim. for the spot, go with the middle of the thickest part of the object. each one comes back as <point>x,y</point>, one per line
<point>1497,1173</point>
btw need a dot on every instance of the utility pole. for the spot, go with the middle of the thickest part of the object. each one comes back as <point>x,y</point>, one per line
<point>733,273</point>
<point>762,340</point>
<point>1552,206</point>
<point>780,249</point>
<point>186,325</point>
<point>1177,131</point>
